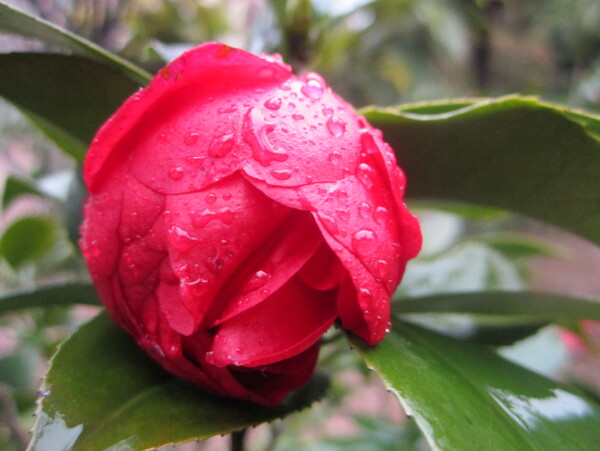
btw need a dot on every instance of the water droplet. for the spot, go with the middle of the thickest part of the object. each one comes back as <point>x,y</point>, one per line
<point>176,173</point>
<point>382,268</point>
<point>274,103</point>
<point>255,132</point>
<point>335,157</point>
<point>328,112</point>
<point>210,357</point>
<point>210,198</point>
<point>362,242</point>
<point>365,295</point>
<point>221,146</point>
<point>297,117</point>
<point>226,215</point>
<point>201,218</point>
<point>365,174</point>
<point>190,139</point>
<point>343,213</point>
<point>215,264</point>
<point>313,88</point>
<point>329,223</point>
<point>180,239</point>
<point>281,174</point>
<point>239,350</point>
<point>258,279</point>
<point>309,179</point>
<point>261,341</point>
<point>336,127</point>
<point>380,215</point>
<point>364,210</point>
<point>226,196</point>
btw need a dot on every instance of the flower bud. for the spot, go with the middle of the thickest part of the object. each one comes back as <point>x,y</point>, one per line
<point>235,212</point>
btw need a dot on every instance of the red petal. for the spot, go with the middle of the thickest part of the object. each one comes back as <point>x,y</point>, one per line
<point>273,264</point>
<point>175,123</point>
<point>273,382</point>
<point>285,324</point>
<point>210,235</point>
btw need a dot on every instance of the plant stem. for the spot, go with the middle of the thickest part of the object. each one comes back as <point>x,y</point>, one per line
<point>237,440</point>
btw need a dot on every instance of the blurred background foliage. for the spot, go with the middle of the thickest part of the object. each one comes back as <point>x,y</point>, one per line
<point>383,52</point>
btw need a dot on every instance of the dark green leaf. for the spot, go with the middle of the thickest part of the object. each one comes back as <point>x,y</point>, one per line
<point>27,239</point>
<point>512,153</point>
<point>49,296</point>
<point>122,399</point>
<point>76,95</point>
<point>513,303</point>
<point>18,22</point>
<point>17,186</point>
<point>465,397</point>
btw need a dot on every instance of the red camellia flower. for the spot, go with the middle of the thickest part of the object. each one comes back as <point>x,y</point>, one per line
<point>235,212</point>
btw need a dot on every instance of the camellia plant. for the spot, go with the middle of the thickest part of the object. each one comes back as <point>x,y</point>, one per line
<point>237,220</point>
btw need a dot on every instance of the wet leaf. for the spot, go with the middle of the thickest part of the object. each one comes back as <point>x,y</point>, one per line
<point>464,396</point>
<point>121,399</point>
<point>513,153</point>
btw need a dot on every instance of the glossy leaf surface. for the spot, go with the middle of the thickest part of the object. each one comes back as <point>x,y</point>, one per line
<point>69,96</point>
<point>48,296</point>
<point>15,21</point>
<point>125,401</point>
<point>465,397</point>
<point>540,305</point>
<point>513,153</point>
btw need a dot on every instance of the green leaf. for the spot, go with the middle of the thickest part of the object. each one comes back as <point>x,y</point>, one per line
<point>68,96</point>
<point>120,398</point>
<point>513,303</point>
<point>49,296</point>
<point>27,239</point>
<point>15,21</point>
<point>465,397</point>
<point>512,153</point>
<point>17,186</point>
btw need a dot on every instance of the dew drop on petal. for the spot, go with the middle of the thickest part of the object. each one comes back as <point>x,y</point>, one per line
<point>210,198</point>
<point>380,215</point>
<point>281,174</point>
<point>297,117</point>
<point>335,157</point>
<point>313,88</point>
<point>190,139</point>
<point>365,174</point>
<point>329,223</point>
<point>273,104</point>
<point>176,173</point>
<point>362,242</point>
<point>343,213</point>
<point>336,127</point>
<point>210,357</point>
<point>382,268</point>
<point>180,239</point>
<point>364,210</point>
<point>258,279</point>
<point>365,295</point>
<point>226,215</point>
<point>221,146</point>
